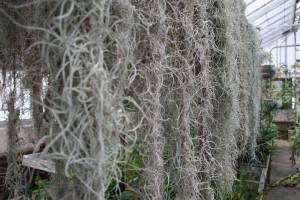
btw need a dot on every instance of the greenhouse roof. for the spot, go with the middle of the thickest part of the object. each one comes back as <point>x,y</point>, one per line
<point>273,18</point>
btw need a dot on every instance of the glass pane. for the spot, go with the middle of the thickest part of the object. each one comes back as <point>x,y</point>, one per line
<point>282,20</point>
<point>267,8</point>
<point>248,1</point>
<point>273,16</point>
<point>256,5</point>
<point>270,40</point>
<point>274,33</point>
<point>269,30</point>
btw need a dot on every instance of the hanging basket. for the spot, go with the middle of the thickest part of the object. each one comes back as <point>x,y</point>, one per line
<point>267,71</point>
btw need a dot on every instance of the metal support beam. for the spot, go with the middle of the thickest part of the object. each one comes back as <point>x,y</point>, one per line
<point>264,9</point>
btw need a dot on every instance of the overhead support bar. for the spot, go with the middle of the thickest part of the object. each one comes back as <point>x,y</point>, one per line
<point>279,30</point>
<point>269,41</point>
<point>267,22</point>
<point>264,31</point>
<point>272,38</point>
<point>269,18</point>
<point>250,2</point>
<point>279,47</point>
<point>264,9</point>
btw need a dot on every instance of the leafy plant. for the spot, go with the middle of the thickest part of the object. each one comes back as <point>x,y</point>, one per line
<point>290,180</point>
<point>296,65</point>
<point>295,148</point>
<point>268,111</point>
<point>268,130</point>
<point>264,140</point>
<point>241,190</point>
<point>266,57</point>
<point>126,195</point>
<point>287,92</point>
<point>38,191</point>
<point>123,189</point>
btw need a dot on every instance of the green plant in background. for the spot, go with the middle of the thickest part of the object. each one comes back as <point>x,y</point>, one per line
<point>266,57</point>
<point>268,130</point>
<point>124,189</point>
<point>295,148</point>
<point>264,140</point>
<point>268,111</point>
<point>241,190</point>
<point>38,191</point>
<point>290,180</point>
<point>296,66</point>
<point>287,92</point>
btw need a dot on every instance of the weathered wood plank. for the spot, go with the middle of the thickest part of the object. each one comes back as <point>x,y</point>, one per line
<point>37,162</point>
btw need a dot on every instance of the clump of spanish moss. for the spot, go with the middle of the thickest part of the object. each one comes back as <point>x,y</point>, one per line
<point>153,97</point>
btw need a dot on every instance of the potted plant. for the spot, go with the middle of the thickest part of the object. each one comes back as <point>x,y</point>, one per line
<point>267,69</point>
<point>257,164</point>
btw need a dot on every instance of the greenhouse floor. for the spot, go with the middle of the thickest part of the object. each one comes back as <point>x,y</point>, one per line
<point>281,166</point>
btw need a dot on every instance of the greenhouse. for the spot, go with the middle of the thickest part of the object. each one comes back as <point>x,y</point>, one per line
<point>149,100</point>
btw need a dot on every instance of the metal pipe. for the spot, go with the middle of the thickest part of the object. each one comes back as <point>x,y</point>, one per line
<point>276,53</point>
<point>297,45</point>
<point>285,42</point>
<point>295,83</point>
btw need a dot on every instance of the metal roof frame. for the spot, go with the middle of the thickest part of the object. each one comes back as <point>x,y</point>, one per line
<point>267,22</point>
<point>272,18</point>
<point>259,12</point>
<point>271,39</point>
<point>269,18</point>
<point>275,27</point>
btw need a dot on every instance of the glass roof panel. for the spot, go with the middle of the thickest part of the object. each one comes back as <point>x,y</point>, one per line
<point>276,33</point>
<point>279,23</point>
<point>248,2</point>
<point>273,35</point>
<point>265,8</point>
<point>270,41</point>
<point>275,25</point>
<point>297,13</point>
<point>278,27</point>
<point>253,7</point>
<point>272,17</point>
<point>266,24</point>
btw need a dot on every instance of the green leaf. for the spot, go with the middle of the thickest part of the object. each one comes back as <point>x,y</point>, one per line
<point>29,194</point>
<point>126,195</point>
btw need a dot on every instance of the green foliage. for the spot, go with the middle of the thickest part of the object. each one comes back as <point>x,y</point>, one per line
<point>266,57</point>
<point>296,65</point>
<point>240,190</point>
<point>268,111</point>
<point>295,148</point>
<point>130,178</point>
<point>38,191</point>
<point>287,92</point>
<point>130,169</point>
<point>265,138</point>
<point>268,130</point>
<point>290,180</point>
<point>126,195</point>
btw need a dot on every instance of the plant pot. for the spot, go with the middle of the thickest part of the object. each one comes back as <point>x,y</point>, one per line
<point>258,174</point>
<point>267,71</point>
<point>270,101</point>
<point>285,106</point>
